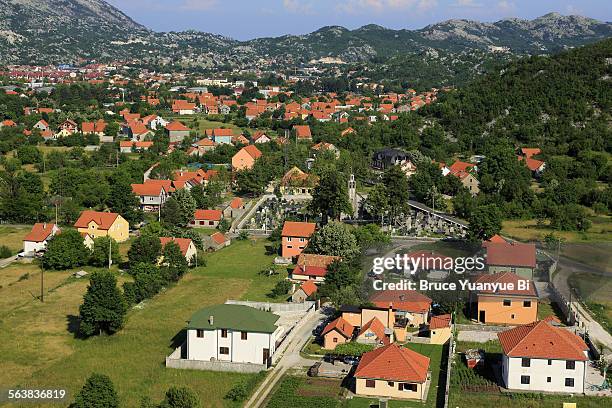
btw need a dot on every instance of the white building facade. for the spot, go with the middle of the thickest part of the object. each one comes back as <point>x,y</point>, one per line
<point>535,374</point>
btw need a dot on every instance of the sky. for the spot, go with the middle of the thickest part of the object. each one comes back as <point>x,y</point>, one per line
<point>247,19</point>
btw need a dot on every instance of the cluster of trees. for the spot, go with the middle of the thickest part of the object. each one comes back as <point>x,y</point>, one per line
<point>67,250</point>
<point>99,392</point>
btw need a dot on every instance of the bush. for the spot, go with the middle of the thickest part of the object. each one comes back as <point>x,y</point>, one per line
<point>5,252</point>
<point>98,392</point>
<point>281,289</point>
<point>181,397</point>
<point>237,393</point>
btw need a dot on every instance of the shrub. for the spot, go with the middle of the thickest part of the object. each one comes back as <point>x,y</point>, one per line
<point>5,252</point>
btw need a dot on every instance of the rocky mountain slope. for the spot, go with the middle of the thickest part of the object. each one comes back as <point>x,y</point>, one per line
<point>54,31</point>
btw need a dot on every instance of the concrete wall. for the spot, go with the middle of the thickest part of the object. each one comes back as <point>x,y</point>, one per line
<point>539,372</point>
<point>274,307</point>
<point>174,361</point>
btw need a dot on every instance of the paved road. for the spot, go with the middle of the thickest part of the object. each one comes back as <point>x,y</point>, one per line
<point>290,359</point>
<point>7,261</point>
<point>595,330</point>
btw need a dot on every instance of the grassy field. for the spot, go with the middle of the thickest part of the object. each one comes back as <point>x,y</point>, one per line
<point>546,309</point>
<point>529,230</point>
<point>40,350</point>
<point>595,291</point>
<point>597,255</point>
<point>448,248</point>
<point>476,388</point>
<point>12,237</point>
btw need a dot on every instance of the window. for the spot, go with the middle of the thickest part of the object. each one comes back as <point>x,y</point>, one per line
<point>391,384</point>
<point>302,239</point>
<point>525,362</point>
<point>570,365</point>
<point>525,379</point>
<point>507,302</point>
<point>223,332</point>
<point>512,316</point>
<point>211,223</point>
<point>527,303</point>
<point>513,270</point>
<point>335,339</point>
<point>407,387</point>
<point>224,350</point>
<point>569,382</point>
<point>200,333</point>
<point>370,383</point>
<point>243,335</point>
<point>548,379</point>
<point>288,239</point>
<point>549,362</point>
<point>289,246</point>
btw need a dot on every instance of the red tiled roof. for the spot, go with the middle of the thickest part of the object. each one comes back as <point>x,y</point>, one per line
<point>298,229</point>
<point>438,322</point>
<point>511,254</point>
<point>505,278</point>
<point>495,239</point>
<point>460,166</point>
<point>393,363</point>
<point>302,131</point>
<point>532,164</point>
<point>103,219</point>
<point>236,203</point>
<point>308,287</point>
<point>252,151</point>
<point>176,126</point>
<point>147,189</point>
<point>541,340</point>
<point>342,326</point>
<point>377,328</point>
<point>219,238</point>
<point>40,232</point>
<point>183,243</point>
<point>210,215</point>
<point>530,151</point>
<point>408,300</point>
<point>138,128</point>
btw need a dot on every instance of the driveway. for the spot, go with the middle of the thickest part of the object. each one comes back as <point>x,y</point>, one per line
<point>7,261</point>
<point>290,358</point>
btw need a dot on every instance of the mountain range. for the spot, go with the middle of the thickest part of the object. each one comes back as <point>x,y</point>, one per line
<point>63,31</point>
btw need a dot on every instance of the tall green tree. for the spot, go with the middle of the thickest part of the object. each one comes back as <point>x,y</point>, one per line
<point>330,196</point>
<point>100,253</point>
<point>98,392</point>
<point>179,209</point>
<point>146,249</point>
<point>334,239</point>
<point>104,307</point>
<point>65,251</point>
<point>486,221</point>
<point>122,200</point>
<point>398,195</point>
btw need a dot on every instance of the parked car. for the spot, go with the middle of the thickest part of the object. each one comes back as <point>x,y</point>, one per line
<point>351,360</point>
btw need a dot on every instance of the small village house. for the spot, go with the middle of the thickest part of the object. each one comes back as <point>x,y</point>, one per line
<point>312,267</point>
<point>337,332</point>
<point>152,195</point>
<point>233,333</point>
<point>235,208</point>
<point>298,182</point>
<point>515,257</point>
<point>39,236</point>
<point>186,245</point>
<point>440,329</point>
<point>392,372</point>
<point>304,291</point>
<point>245,158</point>
<point>216,241</point>
<point>206,218</point>
<point>100,224</point>
<point>177,131</point>
<point>295,236</point>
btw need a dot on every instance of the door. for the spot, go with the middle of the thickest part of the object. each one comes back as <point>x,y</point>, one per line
<point>266,356</point>
<point>481,316</point>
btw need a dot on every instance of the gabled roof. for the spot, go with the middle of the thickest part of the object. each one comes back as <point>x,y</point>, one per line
<point>234,317</point>
<point>530,151</point>
<point>313,264</point>
<point>495,239</point>
<point>308,287</point>
<point>176,126</point>
<point>104,220</point>
<point>183,243</point>
<point>138,128</point>
<point>302,131</point>
<point>438,322</point>
<point>40,232</point>
<point>253,151</point>
<point>236,203</point>
<point>513,254</point>
<point>393,363</point>
<point>298,229</point>
<point>341,326</point>
<point>505,278</point>
<point>541,340</point>
<point>148,189</point>
<point>408,300</point>
<point>218,238</point>
<point>210,215</point>
<point>377,328</point>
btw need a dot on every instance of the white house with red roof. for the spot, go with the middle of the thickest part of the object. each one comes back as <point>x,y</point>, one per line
<point>541,357</point>
<point>152,195</point>
<point>206,218</point>
<point>392,372</point>
<point>37,238</point>
<point>186,245</point>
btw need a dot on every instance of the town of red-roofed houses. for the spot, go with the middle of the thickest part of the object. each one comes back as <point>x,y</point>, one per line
<point>216,223</point>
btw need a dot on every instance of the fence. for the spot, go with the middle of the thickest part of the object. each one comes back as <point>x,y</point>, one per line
<point>275,307</point>
<point>174,360</point>
<point>449,364</point>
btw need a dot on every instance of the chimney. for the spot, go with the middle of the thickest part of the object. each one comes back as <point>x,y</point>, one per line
<point>211,320</point>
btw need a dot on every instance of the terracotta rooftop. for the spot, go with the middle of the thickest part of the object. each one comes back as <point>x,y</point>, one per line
<point>218,238</point>
<point>408,300</point>
<point>341,325</point>
<point>309,287</point>
<point>103,219</point>
<point>377,328</point>
<point>183,243</point>
<point>511,254</point>
<point>393,363</point>
<point>438,322</point>
<point>298,229</point>
<point>211,215</point>
<point>541,340</point>
<point>40,232</point>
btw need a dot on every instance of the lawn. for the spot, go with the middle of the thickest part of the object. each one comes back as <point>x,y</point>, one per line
<point>595,291</point>
<point>546,309</point>
<point>12,237</point>
<point>529,230</point>
<point>449,248</point>
<point>40,350</point>
<point>597,255</point>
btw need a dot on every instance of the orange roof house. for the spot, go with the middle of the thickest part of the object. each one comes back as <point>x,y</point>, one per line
<point>312,267</point>
<point>373,332</point>
<point>295,237</point>
<point>440,329</point>
<point>503,305</point>
<point>100,224</point>
<point>392,372</point>
<point>302,132</point>
<point>245,158</point>
<point>186,246</point>
<point>514,257</point>
<point>540,357</point>
<point>305,290</point>
<point>337,332</point>
<point>36,239</point>
<point>206,218</point>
